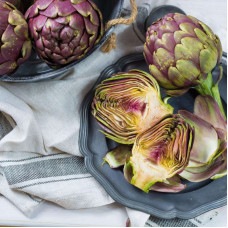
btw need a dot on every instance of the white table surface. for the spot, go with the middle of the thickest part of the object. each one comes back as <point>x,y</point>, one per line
<point>214,12</point>
<point>50,214</point>
<point>113,215</point>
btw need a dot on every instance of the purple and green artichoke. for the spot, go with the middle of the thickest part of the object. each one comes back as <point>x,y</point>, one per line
<point>161,152</point>
<point>158,154</point>
<point>127,104</point>
<point>181,52</point>
<point>15,44</point>
<point>64,30</point>
<point>208,158</point>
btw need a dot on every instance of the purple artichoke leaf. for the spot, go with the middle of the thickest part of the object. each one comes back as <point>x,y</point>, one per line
<point>118,156</point>
<point>198,174</point>
<point>207,108</point>
<point>206,142</point>
<point>171,185</point>
<point>223,170</point>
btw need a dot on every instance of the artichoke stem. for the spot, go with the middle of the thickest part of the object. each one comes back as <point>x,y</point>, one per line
<point>208,87</point>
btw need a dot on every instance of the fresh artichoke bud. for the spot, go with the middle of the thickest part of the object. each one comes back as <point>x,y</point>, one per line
<point>64,30</point>
<point>160,153</point>
<point>181,51</point>
<point>15,45</point>
<point>208,158</point>
<point>127,104</point>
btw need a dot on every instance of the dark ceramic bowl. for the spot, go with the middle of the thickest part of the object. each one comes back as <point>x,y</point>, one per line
<point>36,70</point>
<point>196,199</point>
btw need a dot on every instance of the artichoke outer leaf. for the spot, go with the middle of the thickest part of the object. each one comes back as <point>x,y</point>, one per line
<point>220,174</point>
<point>205,172</point>
<point>206,142</point>
<point>223,170</point>
<point>207,108</point>
<point>176,92</point>
<point>128,171</point>
<point>171,185</point>
<point>118,156</point>
<point>214,170</point>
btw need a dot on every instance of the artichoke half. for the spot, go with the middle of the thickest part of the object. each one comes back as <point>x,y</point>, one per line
<point>15,45</point>
<point>127,104</point>
<point>181,52</point>
<point>64,30</point>
<point>157,156</point>
<point>160,153</point>
<point>208,158</point>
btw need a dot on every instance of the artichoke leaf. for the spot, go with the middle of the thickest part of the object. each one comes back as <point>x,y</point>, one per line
<point>206,108</point>
<point>171,185</point>
<point>118,156</point>
<point>198,174</point>
<point>206,142</point>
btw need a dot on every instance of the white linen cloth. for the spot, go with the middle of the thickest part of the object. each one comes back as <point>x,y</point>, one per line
<point>39,154</point>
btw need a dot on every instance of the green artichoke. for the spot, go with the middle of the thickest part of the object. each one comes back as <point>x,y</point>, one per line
<point>127,104</point>
<point>181,52</point>
<point>208,158</point>
<point>15,45</point>
<point>64,30</point>
<point>160,153</point>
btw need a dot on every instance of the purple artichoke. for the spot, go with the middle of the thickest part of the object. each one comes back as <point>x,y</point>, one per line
<point>15,45</point>
<point>64,30</point>
<point>181,52</point>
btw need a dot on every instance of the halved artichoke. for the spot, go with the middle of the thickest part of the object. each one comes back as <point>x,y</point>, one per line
<point>127,104</point>
<point>160,153</point>
<point>208,158</point>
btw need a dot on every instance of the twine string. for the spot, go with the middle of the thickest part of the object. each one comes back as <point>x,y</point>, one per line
<point>110,44</point>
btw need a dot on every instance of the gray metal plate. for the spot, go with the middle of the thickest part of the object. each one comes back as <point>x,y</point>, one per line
<point>196,199</point>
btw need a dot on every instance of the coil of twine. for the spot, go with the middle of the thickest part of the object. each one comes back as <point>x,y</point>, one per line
<point>110,44</point>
